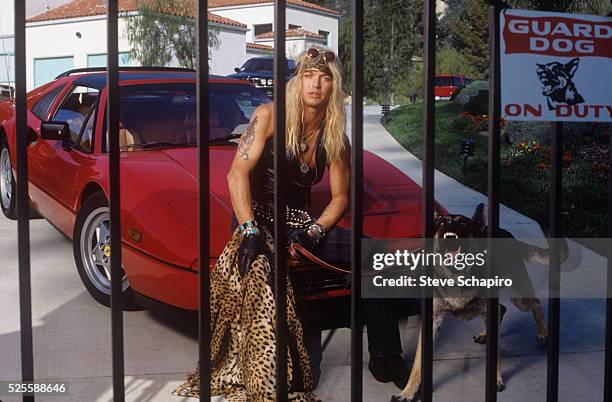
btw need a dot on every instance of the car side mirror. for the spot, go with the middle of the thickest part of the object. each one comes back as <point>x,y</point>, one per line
<point>237,69</point>
<point>55,131</point>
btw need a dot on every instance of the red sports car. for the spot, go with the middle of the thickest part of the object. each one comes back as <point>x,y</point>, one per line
<point>68,180</point>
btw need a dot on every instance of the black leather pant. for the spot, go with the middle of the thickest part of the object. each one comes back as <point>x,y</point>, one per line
<point>379,314</point>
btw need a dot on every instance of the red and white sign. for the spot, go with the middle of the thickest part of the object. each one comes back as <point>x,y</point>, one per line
<point>556,67</point>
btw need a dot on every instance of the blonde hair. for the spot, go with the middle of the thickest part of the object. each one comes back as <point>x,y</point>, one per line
<point>335,116</point>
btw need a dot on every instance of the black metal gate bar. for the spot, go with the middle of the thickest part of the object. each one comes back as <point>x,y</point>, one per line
<point>554,305</point>
<point>112,96</point>
<point>493,197</point>
<point>608,360</point>
<point>429,127</point>
<point>280,268</point>
<point>23,211</point>
<point>356,198</point>
<point>202,99</point>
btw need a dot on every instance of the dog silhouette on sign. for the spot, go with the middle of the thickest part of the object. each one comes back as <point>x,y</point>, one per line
<point>558,85</point>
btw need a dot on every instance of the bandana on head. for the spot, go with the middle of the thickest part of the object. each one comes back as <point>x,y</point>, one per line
<point>316,59</point>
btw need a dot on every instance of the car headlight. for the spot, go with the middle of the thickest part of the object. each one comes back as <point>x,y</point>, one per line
<point>270,81</point>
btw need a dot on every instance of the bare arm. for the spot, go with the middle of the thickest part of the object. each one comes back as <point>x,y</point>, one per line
<point>249,151</point>
<point>339,180</point>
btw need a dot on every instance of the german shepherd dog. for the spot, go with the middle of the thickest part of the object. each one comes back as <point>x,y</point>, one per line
<point>558,85</point>
<point>451,233</point>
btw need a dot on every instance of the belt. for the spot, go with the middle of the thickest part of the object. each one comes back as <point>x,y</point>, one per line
<point>295,218</point>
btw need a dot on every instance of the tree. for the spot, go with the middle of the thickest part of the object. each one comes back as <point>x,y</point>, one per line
<point>164,31</point>
<point>598,7</point>
<point>392,36</point>
<point>446,25</point>
<point>451,61</point>
<point>471,36</point>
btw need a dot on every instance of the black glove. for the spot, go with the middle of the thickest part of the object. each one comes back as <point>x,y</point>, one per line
<point>306,240</point>
<point>251,246</point>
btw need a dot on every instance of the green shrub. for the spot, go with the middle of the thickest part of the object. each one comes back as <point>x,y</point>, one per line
<point>520,131</point>
<point>584,133</point>
<point>474,88</point>
<point>460,122</point>
<point>574,134</point>
<point>478,105</point>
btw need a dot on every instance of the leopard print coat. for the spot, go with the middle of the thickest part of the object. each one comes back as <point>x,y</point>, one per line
<point>243,339</point>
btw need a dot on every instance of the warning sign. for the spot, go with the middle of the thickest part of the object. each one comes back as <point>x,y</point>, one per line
<point>556,67</point>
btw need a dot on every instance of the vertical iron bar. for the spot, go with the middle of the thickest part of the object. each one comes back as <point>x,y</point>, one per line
<point>608,360</point>
<point>356,198</point>
<point>202,100</point>
<point>554,305</point>
<point>493,199</point>
<point>112,88</point>
<point>429,127</point>
<point>280,268</point>
<point>23,210</point>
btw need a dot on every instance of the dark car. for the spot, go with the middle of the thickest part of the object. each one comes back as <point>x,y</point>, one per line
<point>260,71</point>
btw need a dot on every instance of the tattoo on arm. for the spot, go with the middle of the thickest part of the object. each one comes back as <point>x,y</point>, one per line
<point>247,139</point>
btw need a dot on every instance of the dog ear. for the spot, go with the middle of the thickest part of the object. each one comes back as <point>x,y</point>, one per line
<point>478,220</point>
<point>542,66</point>
<point>571,67</point>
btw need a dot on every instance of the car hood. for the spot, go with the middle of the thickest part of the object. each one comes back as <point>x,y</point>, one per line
<point>159,201</point>
<point>248,74</point>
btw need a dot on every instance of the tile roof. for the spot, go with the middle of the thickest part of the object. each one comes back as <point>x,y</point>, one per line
<point>291,33</point>
<point>258,46</point>
<point>300,3</point>
<point>86,8</point>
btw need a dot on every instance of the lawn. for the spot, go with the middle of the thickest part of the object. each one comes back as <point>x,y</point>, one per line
<point>523,186</point>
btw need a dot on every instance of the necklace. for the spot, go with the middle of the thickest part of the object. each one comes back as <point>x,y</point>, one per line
<point>303,143</point>
<point>304,168</point>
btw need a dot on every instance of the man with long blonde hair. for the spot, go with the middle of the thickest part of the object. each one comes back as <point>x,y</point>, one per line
<point>315,138</point>
<point>241,291</point>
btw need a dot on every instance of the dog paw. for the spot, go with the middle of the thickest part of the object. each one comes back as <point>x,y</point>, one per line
<point>500,385</point>
<point>542,341</point>
<point>480,338</point>
<point>400,398</point>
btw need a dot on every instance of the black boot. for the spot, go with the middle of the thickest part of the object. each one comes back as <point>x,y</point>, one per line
<point>389,368</point>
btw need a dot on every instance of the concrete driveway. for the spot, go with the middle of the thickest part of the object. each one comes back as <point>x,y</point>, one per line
<point>72,336</point>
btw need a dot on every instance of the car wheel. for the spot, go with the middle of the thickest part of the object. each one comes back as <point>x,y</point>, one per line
<point>91,247</point>
<point>8,195</point>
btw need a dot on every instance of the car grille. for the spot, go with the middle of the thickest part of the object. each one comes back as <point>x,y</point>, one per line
<point>258,82</point>
<point>311,280</point>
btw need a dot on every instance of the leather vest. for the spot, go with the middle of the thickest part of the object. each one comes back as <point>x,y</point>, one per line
<point>298,183</point>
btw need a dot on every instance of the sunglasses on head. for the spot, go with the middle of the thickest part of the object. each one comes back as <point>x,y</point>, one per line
<point>328,55</point>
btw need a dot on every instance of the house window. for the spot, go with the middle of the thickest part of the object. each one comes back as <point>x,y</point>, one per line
<point>47,69</point>
<point>262,28</point>
<point>292,26</point>
<point>325,34</point>
<point>99,60</point>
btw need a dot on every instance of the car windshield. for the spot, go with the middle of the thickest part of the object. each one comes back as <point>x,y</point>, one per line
<point>164,115</point>
<point>443,82</point>
<point>258,65</point>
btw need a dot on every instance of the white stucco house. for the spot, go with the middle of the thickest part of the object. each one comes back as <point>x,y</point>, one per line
<point>73,35</point>
<point>33,7</point>
<point>312,20</point>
